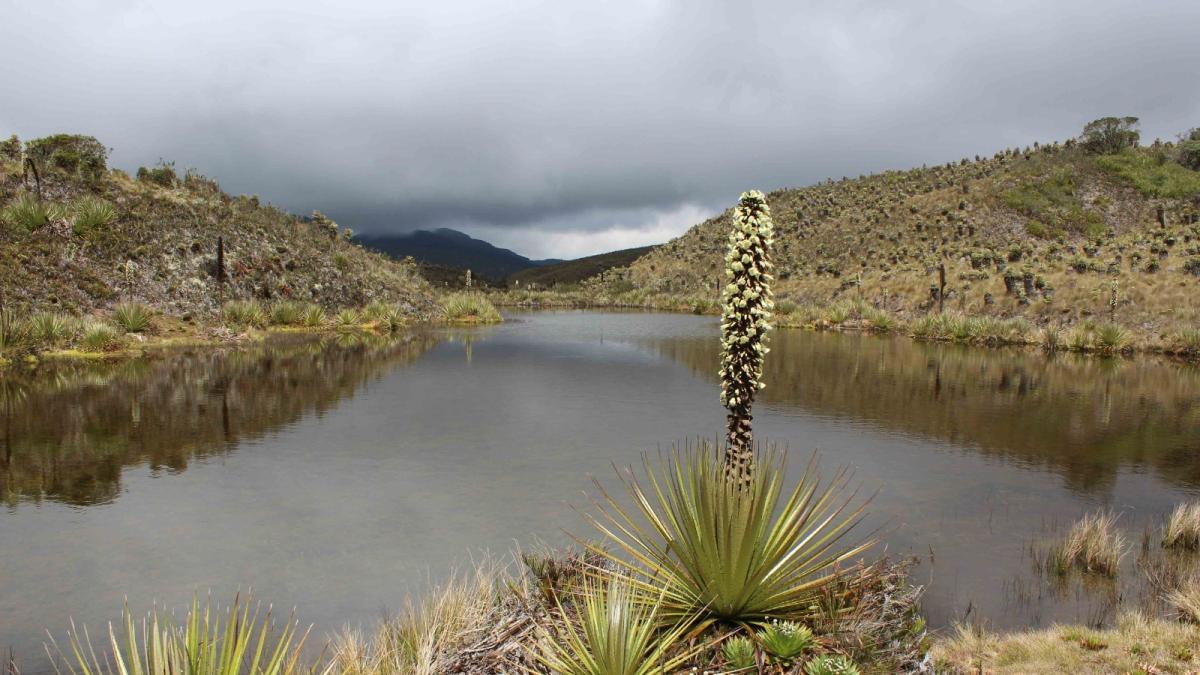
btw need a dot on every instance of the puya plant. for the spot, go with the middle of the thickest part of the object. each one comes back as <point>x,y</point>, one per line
<point>746,309</point>
<point>726,538</point>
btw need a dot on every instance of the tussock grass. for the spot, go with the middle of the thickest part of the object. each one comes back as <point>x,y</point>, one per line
<point>237,641</point>
<point>134,317</point>
<point>972,329</point>
<point>1186,600</point>
<point>287,313</point>
<point>52,328</point>
<point>469,308</point>
<point>14,330</point>
<point>314,316</point>
<point>27,212</point>
<point>90,214</point>
<point>99,337</point>
<point>1136,644</point>
<point>1094,544</point>
<point>1182,529</point>
<point>244,314</point>
<point>425,638</point>
<point>347,318</point>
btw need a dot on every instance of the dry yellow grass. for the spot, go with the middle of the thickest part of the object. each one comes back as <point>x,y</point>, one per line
<point>1094,544</point>
<point>1183,527</point>
<point>1137,644</point>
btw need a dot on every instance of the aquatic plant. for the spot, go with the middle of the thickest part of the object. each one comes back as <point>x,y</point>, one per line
<point>619,633</point>
<point>134,317</point>
<point>469,308</point>
<point>726,550</point>
<point>1094,544</point>
<point>207,643</point>
<point>745,319</point>
<point>1182,529</point>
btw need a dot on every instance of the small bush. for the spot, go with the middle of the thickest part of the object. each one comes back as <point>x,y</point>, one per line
<point>134,317</point>
<point>99,337</point>
<point>91,213</point>
<point>72,154</point>
<point>469,308</point>
<point>1183,527</point>
<point>29,213</point>
<point>1110,134</point>
<point>163,174</point>
<point>244,314</point>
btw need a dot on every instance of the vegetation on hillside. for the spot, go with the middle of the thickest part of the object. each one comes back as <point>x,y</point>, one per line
<point>574,271</point>
<point>1068,236</point>
<point>78,237</point>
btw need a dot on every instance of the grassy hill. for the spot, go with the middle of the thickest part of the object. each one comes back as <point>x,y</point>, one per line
<point>98,236</point>
<point>1097,247</point>
<point>575,271</point>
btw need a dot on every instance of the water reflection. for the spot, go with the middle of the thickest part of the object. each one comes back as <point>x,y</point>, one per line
<point>1083,417</point>
<point>68,430</point>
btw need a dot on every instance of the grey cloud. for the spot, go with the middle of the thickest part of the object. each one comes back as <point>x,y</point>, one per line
<point>579,119</point>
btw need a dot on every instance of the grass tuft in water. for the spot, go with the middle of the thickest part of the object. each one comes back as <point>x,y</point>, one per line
<point>1182,529</point>
<point>1094,545</point>
<point>469,308</point>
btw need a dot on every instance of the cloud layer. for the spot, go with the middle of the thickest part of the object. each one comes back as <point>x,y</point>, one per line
<point>562,129</point>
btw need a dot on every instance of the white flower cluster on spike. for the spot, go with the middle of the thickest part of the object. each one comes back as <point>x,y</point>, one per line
<point>746,303</point>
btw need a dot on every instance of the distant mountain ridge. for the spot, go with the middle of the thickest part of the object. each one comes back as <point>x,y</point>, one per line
<point>575,271</point>
<point>451,248</point>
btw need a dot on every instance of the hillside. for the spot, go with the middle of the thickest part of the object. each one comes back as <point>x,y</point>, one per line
<point>451,248</point>
<point>575,271</point>
<point>99,236</point>
<point>1054,234</point>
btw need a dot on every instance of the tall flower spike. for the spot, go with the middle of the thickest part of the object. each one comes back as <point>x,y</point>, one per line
<point>746,310</point>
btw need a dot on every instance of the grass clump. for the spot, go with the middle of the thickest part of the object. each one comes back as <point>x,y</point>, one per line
<point>618,633</point>
<point>13,330</point>
<point>1094,545</point>
<point>286,313</point>
<point>469,308</point>
<point>1111,338</point>
<point>244,314</point>
<point>313,316</point>
<point>134,317</point>
<point>209,642</point>
<point>724,552</point>
<point>1182,529</point>
<point>90,214</point>
<point>1186,600</point>
<point>347,318</point>
<point>1150,177</point>
<point>51,328</point>
<point>29,213</point>
<point>99,337</point>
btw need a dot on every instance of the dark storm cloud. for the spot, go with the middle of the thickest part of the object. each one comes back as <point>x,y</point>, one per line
<point>565,128</point>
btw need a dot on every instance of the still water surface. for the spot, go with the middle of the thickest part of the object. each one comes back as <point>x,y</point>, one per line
<point>339,476</point>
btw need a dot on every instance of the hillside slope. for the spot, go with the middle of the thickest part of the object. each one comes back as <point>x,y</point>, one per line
<point>451,248</point>
<point>1050,233</point>
<point>99,236</point>
<point>575,271</point>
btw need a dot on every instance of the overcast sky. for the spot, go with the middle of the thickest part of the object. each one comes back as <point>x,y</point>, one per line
<point>562,129</point>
